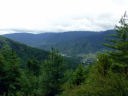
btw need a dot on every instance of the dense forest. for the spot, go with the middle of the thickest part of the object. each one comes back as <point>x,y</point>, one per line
<point>53,75</point>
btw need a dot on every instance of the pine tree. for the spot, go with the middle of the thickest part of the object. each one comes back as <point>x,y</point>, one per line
<point>119,46</point>
<point>10,72</point>
<point>78,76</point>
<point>33,66</point>
<point>103,64</point>
<point>3,73</point>
<point>52,74</point>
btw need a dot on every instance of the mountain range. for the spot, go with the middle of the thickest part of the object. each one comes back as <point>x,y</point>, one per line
<point>68,43</point>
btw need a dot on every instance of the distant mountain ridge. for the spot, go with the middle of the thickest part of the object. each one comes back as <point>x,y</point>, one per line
<point>70,43</point>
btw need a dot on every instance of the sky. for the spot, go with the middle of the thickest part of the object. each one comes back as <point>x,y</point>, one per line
<point>38,16</point>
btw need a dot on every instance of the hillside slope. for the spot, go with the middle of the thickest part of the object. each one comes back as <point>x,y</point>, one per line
<point>69,43</point>
<point>23,51</point>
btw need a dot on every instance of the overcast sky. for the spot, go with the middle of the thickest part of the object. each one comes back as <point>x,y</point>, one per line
<point>60,15</point>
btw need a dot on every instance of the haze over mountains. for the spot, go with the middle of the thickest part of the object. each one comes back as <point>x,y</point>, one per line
<point>68,43</point>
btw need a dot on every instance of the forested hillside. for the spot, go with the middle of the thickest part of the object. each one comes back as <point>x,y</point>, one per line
<point>55,76</point>
<point>23,51</point>
<point>69,43</point>
<point>21,68</point>
<point>109,74</point>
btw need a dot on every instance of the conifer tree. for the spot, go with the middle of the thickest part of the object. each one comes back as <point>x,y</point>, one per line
<point>52,74</point>
<point>78,76</point>
<point>103,64</point>
<point>10,72</point>
<point>33,66</point>
<point>119,46</point>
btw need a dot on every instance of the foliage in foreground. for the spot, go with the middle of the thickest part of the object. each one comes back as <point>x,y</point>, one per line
<point>108,76</point>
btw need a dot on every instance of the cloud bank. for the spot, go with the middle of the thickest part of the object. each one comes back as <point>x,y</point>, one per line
<point>60,15</point>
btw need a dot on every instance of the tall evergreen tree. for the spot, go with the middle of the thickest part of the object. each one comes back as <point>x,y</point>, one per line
<point>10,72</point>
<point>119,46</point>
<point>3,73</point>
<point>52,74</point>
<point>103,64</point>
<point>78,76</point>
